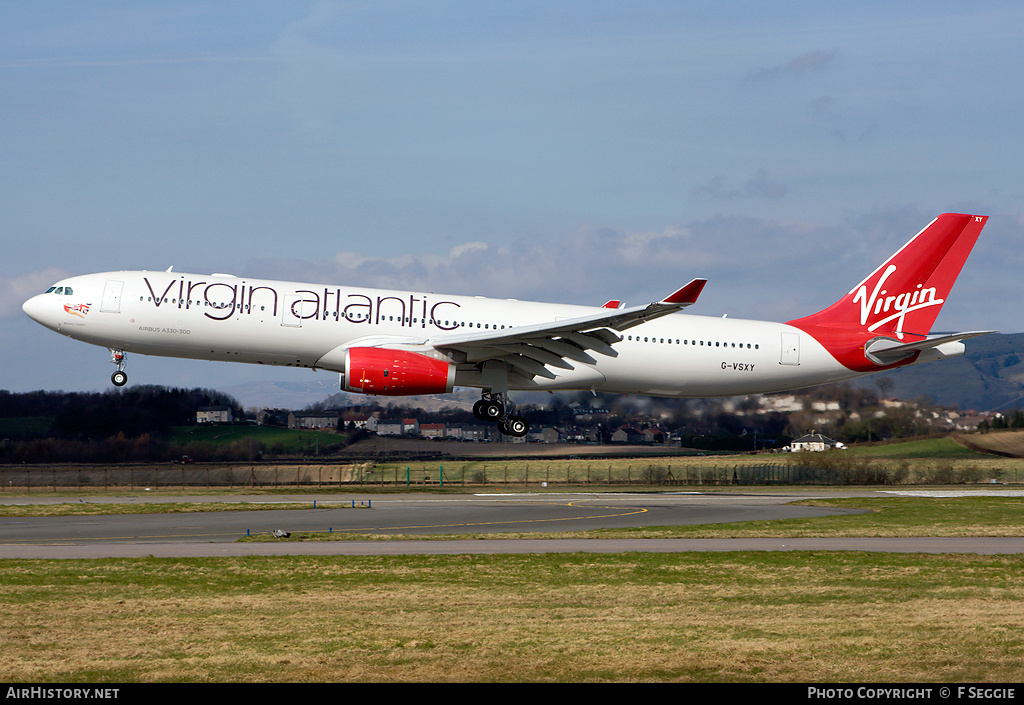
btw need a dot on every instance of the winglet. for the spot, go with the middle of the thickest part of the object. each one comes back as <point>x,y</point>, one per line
<point>687,295</point>
<point>613,304</point>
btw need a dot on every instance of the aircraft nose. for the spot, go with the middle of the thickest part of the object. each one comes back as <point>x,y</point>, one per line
<point>40,309</point>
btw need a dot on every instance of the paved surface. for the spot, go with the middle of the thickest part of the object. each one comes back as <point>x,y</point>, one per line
<point>216,533</point>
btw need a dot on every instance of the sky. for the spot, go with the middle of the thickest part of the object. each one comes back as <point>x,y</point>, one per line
<point>560,150</point>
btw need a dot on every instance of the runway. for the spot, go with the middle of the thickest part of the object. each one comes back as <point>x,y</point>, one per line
<point>217,533</point>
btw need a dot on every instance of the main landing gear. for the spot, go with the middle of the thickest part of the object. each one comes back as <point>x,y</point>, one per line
<point>120,377</point>
<point>498,408</point>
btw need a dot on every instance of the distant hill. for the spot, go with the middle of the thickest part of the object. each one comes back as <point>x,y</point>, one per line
<point>283,395</point>
<point>990,377</point>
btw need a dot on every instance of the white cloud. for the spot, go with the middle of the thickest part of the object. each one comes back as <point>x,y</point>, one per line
<point>744,258</point>
<point>14,291</point>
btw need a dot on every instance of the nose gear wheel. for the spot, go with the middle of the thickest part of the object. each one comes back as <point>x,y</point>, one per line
<point>120,377</point>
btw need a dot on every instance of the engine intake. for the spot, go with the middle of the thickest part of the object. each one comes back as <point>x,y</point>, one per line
<point>396,372</point>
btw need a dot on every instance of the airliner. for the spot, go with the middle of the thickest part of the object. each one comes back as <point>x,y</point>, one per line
<point>394,343</point>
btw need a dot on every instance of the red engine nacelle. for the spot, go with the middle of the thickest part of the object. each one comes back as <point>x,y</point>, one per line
<point>396,372</point>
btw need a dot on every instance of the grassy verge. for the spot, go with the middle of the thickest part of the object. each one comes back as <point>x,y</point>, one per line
<point>773,617</point>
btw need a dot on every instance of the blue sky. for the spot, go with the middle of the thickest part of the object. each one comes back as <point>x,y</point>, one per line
<point>559,151</point>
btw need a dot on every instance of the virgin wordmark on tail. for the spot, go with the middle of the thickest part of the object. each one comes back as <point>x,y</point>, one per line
<point>880,302</point>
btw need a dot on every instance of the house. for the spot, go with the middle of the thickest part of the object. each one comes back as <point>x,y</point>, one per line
<point>313,419</point>
<point>627,434</point>
<point>551,435</point>
<point>781,404</point>
<point>359,420</point>
<point>825,406</point>
<point>545,435</point>
<point>814,442</point>
<point>654,435</point>
<point>389,427</point>
<point>466,432</point>
<point>272,417</point>
<point>214,414</point>
<point>432,430</point>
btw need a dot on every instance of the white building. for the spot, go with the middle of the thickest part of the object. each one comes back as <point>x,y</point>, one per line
<point>814,442</point>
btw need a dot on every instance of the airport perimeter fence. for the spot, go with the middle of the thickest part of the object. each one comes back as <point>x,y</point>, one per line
<point>368,474</point>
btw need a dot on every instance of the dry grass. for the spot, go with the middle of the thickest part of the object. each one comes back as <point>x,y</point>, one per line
<point>784,617</point>
<point>1008,443</point>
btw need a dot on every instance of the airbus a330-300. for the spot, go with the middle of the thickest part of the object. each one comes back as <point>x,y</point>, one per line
<point>405,343</point>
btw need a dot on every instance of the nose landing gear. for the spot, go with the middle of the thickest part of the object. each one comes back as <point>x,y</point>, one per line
<point>120,377</point>
<point>498,408</point>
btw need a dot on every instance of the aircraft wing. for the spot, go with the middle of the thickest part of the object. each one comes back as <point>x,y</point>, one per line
<point>531,349</point>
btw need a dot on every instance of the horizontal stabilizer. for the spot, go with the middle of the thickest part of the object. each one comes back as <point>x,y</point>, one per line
<point>885,351</point>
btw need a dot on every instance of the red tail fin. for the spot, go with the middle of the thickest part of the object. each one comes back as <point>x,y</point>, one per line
<point>903,296</point>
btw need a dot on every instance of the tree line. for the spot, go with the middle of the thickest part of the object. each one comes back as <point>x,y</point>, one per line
<point>134,423</point>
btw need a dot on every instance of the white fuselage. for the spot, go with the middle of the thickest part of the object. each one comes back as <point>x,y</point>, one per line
<point>236,319</point>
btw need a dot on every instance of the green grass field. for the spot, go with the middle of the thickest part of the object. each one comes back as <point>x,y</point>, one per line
<point>291,441</point>
<point>688,617</point>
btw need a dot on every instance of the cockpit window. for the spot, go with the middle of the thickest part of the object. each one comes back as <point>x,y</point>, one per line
<point>65,290</point>
<point>68,291</point>
<point>51,290</point>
